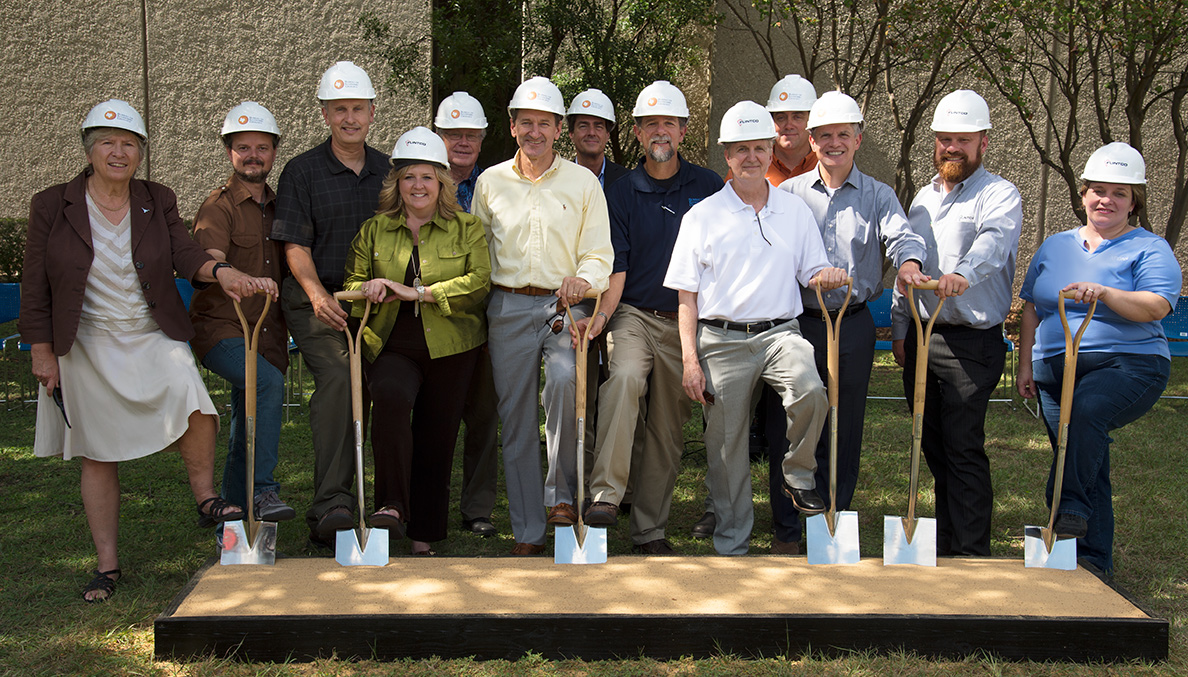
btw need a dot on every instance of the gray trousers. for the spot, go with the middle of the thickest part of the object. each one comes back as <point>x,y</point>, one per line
<point>324,351</point>
<point>734,362</point>
<point>520,338</point>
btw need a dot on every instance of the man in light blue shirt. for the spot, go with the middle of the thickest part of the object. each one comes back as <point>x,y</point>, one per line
<point>857,216</point>
<point>970,221</point>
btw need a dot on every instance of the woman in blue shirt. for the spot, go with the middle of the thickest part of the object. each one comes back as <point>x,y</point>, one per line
<point>1123,363</point>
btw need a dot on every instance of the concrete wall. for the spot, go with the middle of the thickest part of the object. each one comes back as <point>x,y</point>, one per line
<point>62,57</point>
<point>739,72</point>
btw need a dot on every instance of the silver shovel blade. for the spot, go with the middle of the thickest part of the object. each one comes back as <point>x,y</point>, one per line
<point>839,548</point>
<point>591,550</point>
<point>896,549</point>
<point>237,550</point>
<point>373,553</point>
<point>1035,553</point>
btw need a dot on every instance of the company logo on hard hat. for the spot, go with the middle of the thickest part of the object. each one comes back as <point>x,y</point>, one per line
<point>531,95</point>
<point>748,121</point>
<point>1117,163</point>
<point>783,96</point>
<point>455,113</point>
<point>586,103</point>
<point>110,115</point>
<point>957,112</point>
<point>243,119</point>
<point>411,142</point>
<point>339,84</point>
<point>652,101</point>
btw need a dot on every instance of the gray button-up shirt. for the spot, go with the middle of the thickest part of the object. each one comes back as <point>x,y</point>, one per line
<point>861,215</point>
<point>973,231</point>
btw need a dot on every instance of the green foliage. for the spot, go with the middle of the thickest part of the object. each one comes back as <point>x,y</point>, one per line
<point>12,248</point>
<point>404,57</point>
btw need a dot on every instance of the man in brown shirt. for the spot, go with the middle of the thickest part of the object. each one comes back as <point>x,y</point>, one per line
<point>234,225</point>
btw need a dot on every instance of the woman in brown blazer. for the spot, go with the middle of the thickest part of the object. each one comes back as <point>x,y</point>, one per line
<point>108,329</point>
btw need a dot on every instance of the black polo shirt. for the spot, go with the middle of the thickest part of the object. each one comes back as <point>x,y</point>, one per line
<point>320,204</point>
<point>645,216</point>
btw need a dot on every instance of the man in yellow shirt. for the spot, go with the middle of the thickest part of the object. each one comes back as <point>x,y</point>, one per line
<point>549,237</point>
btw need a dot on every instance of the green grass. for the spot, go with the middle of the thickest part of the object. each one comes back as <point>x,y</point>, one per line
<point>46,552</point>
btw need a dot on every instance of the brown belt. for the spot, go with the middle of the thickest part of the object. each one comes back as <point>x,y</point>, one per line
<point>662,314</point>
<point>526,291</point>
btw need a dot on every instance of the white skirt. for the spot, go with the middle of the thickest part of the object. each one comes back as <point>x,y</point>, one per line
<point>127,394</point>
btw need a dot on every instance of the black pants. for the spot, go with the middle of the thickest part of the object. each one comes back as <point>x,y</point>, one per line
<point>964,367</point>
<point>856,355</point>
<point>418,405</point>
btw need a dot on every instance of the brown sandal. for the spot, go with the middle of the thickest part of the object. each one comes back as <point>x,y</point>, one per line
<point>394,523</point>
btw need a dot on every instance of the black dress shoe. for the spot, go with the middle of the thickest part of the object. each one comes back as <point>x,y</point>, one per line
<point>805,500</point>
<point>1070,526</point>
<point>334,520</point>
<point>480,526</point>
<point>656,547</point>
<point>705,526</point>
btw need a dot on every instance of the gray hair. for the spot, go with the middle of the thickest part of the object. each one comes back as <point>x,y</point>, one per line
<point>92,135</point>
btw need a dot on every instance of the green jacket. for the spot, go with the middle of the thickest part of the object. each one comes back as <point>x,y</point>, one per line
<point>455,264</point>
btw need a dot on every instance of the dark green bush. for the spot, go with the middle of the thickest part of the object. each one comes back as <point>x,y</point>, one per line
<point>12,248</point>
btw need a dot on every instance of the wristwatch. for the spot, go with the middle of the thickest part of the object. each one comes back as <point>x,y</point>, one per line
<point>420,292</point>
<point>214,272</point>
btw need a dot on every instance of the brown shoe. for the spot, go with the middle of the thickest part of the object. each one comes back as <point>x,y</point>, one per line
<point>602,514</point>
<point>779,547</point>
<point>563,515</point>
<point>527,549</point>
<point>656,547</point>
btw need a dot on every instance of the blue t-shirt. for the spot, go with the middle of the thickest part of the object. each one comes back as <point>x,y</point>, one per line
<point>1136,261</point>
<point>645,216</point>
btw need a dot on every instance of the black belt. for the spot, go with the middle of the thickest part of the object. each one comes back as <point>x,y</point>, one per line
<point>850,310</point>
<point>748,327</point>
<point>662,314</point>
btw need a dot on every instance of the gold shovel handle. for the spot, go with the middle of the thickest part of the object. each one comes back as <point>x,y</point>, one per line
<point>833,367</point>
<point>353,349</point>
<point>251,347</point>
<point>581,358</point>
<point>923,342</point>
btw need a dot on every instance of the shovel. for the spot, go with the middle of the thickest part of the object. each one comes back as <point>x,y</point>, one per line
<point>1041,547</point>
<point>912,540</point>
<point>365,547</point>
<point>832,536</point>
<point>249,541</point>
<point>580,544</point>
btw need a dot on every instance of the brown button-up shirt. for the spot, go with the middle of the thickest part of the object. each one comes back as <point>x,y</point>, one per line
<point>235,224</point>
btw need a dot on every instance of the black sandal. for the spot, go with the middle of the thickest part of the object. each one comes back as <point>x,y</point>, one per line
<point>102,582</point>
<point>217,514</point>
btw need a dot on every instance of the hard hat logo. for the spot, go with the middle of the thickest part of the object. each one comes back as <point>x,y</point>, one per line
<point>243,119</point>
<point>339,84</point>
<point>531,96</point>
<point>783,96</point>
<point>653,101</point>
<point>455,113</point>
<point>586,103</point>
<point>110,115</point>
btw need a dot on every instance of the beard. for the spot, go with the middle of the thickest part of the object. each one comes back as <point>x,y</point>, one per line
<point>253,173</point>
<point>658,155</point>
<point>956,167</point>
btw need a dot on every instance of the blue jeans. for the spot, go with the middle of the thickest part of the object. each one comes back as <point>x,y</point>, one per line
<point>1112,389</point>
<point>227,360</point>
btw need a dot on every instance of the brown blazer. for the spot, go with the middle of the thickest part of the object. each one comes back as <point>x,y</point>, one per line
<point>58,256</point>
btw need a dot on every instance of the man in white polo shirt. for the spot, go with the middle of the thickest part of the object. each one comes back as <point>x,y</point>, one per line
<point>739,261</point>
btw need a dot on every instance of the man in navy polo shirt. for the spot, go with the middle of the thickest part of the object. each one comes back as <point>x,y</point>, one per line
<point>639,315</point>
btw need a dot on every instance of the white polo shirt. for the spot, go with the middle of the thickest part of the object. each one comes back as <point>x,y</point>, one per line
<point>746,267</point>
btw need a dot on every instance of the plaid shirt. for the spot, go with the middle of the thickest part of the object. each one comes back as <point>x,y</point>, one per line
<point>466,189</point>
<point>321,204</point>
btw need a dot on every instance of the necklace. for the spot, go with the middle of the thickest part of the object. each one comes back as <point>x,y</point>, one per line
<point>416,283</point>
<point>104,207</point>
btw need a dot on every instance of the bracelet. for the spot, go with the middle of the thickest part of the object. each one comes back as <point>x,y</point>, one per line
<point>604,316</point>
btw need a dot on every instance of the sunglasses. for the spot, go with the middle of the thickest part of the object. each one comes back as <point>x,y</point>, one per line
<point>57,395</point>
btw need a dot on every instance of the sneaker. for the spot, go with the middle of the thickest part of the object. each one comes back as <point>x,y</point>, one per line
<point>270,508</point>
<point>705,526</point>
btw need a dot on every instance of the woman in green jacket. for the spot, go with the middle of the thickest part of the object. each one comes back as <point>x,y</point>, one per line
<point>424,263</point>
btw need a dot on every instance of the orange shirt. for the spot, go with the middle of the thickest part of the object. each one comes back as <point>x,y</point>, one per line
<point>778,173</point>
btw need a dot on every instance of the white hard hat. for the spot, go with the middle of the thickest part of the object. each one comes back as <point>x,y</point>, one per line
<point>961,111</point>
<point>1116,163</point>
<point>460,111</point>
<point>420,144</point>
<point>593,102</point>
<point>746,121</point>
<point>660,98</point>
<point>117,114</point>
<point>250,116</point>
<point>834,108</point>
<point>345,80</point>
<point>793,93</point>
<point>537,94</point>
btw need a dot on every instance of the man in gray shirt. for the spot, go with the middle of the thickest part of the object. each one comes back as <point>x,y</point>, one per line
<point>857,216</point>
<point>970,221</point>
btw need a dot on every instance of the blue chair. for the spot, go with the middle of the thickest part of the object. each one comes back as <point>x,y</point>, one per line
<point>10,309</point>
<point>880,310</point>
<point>1175,325</point>
<point>186,290</point>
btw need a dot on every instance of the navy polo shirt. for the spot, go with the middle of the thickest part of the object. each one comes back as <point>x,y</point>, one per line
<point>644,219</point>
<point>321,203</point>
